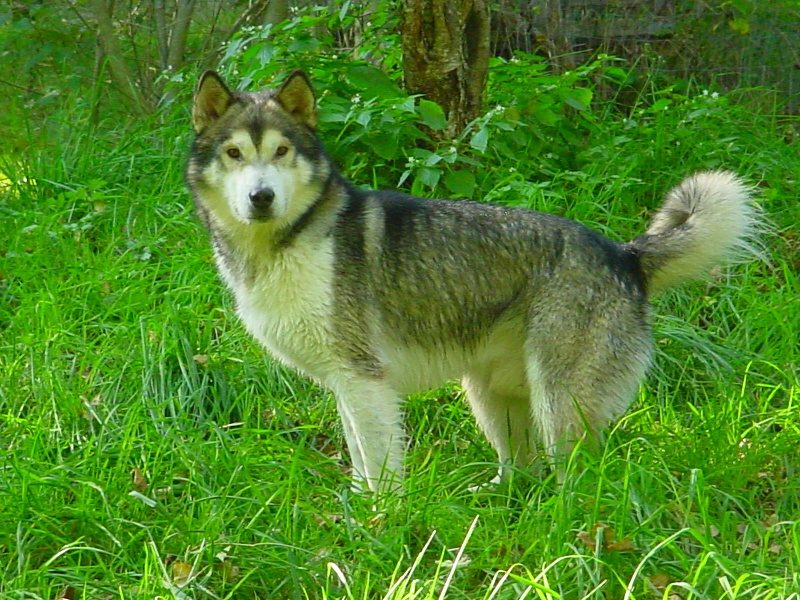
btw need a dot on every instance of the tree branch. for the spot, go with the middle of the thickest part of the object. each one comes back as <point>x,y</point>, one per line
<point>180,29</point>
<point>120,72</point>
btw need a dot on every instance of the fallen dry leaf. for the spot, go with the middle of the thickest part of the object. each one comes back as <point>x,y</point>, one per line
<point>660,582</point>
<point>181,573</point>
<point>624,545</point>
<point>68,593</point>
<point>610,543</point>
<point>587,540</point>
<point>326,446</point>
<point>230,572</point>
<point>327,519</point>
<point>139,480</point>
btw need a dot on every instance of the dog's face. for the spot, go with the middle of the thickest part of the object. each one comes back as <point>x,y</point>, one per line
<point>256,157</point>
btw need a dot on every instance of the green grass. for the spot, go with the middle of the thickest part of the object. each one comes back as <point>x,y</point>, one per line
<point>145,437</point>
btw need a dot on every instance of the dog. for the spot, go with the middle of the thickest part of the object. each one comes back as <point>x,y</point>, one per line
<point>379,294</point>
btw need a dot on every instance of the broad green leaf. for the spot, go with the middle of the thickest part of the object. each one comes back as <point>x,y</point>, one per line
<point>433,159</point>
<point>461,183</point>
<point>384,146</point>
<point>660,105</point>
<point>429,177</point>
<point>545,116</point>
<point>579,98</point>
<point>372,82</point>
<point>740,26</point>
<point>343,10</point>
<point>432,115</point>
<point>407,105</point>
<point>480,139</point>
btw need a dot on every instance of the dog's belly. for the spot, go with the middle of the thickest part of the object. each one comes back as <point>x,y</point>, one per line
<point>498,359</point>
<point>411,370</point>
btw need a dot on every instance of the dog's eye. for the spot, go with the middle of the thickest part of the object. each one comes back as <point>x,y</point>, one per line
<point>281,151</point>
<point>234,153</point>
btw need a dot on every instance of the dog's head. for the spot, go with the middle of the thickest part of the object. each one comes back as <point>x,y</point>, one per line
<point>256,157</point>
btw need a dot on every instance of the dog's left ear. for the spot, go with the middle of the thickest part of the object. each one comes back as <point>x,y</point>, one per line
<point>297,97</point>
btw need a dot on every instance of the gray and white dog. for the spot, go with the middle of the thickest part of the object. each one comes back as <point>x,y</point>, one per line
<point>376,295</point>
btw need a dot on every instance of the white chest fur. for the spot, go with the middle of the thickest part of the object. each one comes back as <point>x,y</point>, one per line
<point>286,304</point>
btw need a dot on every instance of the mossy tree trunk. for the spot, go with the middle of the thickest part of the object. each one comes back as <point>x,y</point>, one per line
<point>446,56</point>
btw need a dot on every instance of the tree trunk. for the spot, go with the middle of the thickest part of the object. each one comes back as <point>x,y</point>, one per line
<point>120,72</point>
<point>277,11</point>
<point>162,33</point>
<point>559,46</point>
<point>446,56</point>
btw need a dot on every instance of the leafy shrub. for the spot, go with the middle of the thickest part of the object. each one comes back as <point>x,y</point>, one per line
<point>379,134</point>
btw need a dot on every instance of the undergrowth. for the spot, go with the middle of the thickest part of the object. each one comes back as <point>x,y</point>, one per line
<point>150,449</point>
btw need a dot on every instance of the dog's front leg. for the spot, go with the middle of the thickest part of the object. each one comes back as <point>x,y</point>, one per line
<point>372,421</point>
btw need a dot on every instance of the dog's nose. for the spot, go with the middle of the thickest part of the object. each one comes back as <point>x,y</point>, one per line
<point>262,198</point>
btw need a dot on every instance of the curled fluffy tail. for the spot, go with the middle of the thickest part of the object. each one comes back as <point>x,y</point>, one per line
<point>706,220</point>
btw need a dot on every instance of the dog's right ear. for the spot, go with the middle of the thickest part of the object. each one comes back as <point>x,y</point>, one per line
<point>211,99</point>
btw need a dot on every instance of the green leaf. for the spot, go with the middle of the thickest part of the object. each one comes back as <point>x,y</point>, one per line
<point>343,10</point>
<point>660,105</point>
<point>546,116</point>
<point>433,159</point>
<point>373,82</point>
<point>579,99</point>
<point>617,74</point>
<point>429,177</point>
<point>740,26</point>
<point>364,118</point>
<point>266,53</point>
<point>302,44</point>
<point>432,115</point>
<point>480,139</point>
<point>385,146</point>
<point>461,183</point>
<point>407,105</point>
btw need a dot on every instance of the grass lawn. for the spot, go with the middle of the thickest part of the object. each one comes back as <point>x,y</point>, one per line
<point>150,449</point>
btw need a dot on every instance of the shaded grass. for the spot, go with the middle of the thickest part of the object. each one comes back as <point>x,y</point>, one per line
<point>146,440</point>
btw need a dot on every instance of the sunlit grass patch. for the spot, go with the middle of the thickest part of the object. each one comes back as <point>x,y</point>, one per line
<point>150,448</point>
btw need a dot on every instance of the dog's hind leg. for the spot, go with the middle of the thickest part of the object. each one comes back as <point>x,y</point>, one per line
<point>561,422</point>
<point>503,414</point>
<point>577,391</point>
<point>371,416</point>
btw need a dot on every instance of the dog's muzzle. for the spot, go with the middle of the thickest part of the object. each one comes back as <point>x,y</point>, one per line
<point>261,202</point>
